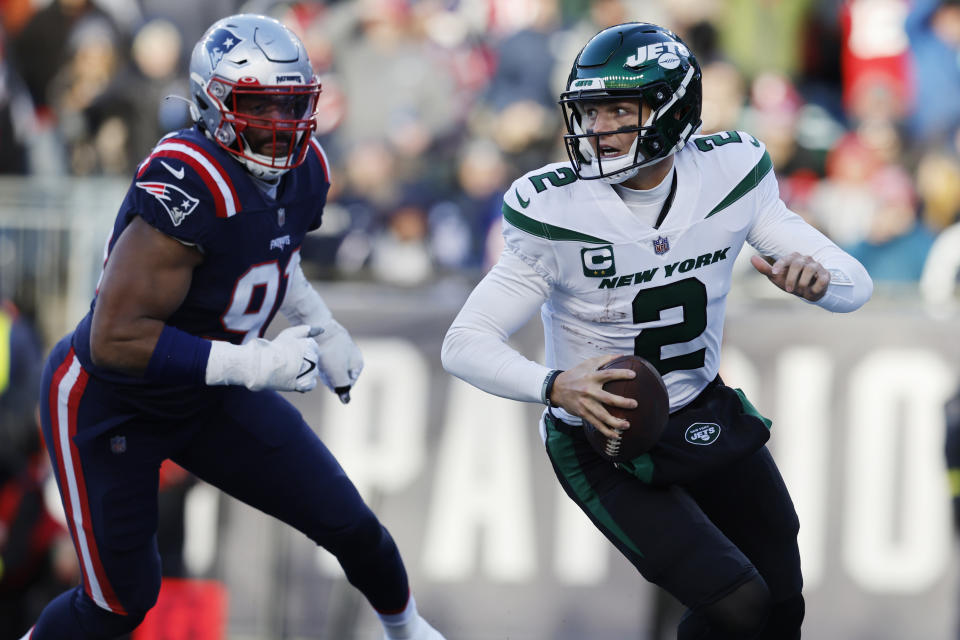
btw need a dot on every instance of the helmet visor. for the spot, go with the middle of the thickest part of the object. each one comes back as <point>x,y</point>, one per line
<point>283,107</point>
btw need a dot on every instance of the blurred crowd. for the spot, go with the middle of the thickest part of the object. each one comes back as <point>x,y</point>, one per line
<point>430,108</point>
<point>37,560</point>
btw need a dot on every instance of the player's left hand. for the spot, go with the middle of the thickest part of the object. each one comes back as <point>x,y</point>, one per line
<point>795,273</point>
<point>340,359</point>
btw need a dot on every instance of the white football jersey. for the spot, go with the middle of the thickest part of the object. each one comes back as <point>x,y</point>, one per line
<point>623,287</point>
<point>616,285</point>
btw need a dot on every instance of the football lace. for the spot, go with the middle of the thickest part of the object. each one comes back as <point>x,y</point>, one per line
<point>613,445</point>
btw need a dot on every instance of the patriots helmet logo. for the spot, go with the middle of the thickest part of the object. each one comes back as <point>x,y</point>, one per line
<point>220,43</point>
<point>178,203</point>
<point>661,245</point>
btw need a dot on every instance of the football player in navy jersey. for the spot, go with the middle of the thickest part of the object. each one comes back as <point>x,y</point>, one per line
<point>171,361</point>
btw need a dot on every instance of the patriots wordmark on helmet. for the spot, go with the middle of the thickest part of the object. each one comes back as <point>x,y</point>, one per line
<point>177,202</point>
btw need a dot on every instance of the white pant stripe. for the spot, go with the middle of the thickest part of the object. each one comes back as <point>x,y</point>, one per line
<point>63,434</point>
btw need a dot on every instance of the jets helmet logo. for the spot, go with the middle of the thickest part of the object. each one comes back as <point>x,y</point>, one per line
<point>219,44</point>
<point>666,53</point>
<point>177,202</point>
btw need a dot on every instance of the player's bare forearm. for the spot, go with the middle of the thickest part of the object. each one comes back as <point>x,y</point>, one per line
<point>145,280</point>
<point>125,346</point>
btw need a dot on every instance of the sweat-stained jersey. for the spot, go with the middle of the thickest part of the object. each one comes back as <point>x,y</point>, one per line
<point>190,189</point>
<point>619,286</point>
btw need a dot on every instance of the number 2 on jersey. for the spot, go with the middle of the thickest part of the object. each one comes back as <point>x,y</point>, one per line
<point>691,296</point>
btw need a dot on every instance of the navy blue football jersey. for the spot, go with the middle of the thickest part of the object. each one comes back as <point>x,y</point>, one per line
<point>190,189</point>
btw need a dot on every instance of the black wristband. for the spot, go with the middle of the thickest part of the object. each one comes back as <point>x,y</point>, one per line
<point>548,385</point>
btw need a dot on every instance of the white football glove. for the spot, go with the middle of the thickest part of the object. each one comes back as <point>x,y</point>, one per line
<point>340,359</point>
<point>286,363</point>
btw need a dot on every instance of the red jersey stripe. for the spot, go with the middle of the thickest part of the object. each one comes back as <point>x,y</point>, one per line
<point>213,175</point>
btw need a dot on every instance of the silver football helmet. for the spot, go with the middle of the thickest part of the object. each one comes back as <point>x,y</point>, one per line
<point>254,92</point>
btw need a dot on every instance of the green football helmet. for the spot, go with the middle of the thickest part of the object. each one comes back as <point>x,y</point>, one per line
<point>632,61</point>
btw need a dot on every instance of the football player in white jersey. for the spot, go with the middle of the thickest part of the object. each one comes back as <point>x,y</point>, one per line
<point>628,249</point>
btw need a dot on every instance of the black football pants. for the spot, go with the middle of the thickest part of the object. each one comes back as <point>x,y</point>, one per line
<point>701,541</point>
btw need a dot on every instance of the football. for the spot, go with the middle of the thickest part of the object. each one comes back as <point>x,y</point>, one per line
<point>647,421</point>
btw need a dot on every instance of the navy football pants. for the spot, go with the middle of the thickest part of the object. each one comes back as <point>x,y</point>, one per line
<point>254,446</point>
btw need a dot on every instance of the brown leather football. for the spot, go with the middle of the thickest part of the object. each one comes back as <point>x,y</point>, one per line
<point>647,421</point>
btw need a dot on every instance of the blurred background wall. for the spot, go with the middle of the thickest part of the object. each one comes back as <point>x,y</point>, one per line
<point>430,108</point>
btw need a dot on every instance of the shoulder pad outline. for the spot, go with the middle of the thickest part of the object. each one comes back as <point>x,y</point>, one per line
<point>201,163</point>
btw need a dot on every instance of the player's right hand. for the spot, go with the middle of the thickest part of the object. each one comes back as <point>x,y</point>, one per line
<point>580,392</point>
<point>286,363</point>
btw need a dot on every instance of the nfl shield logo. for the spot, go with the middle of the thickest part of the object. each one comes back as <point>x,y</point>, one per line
<point>661,245</point>
<point>118,444</point>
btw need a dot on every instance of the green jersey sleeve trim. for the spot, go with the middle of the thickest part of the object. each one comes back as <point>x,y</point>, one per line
<point>544,230</point>
<point>751,180</point>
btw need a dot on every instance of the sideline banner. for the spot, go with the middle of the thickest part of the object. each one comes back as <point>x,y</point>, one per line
<point>494,548</point>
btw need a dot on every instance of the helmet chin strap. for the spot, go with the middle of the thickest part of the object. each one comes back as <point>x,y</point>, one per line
<point>620,176</point>
<point>622,171</point>
<point>622,166</point>
<point>251,160</point>
<point>230,130</point>
<point>260,171</point>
